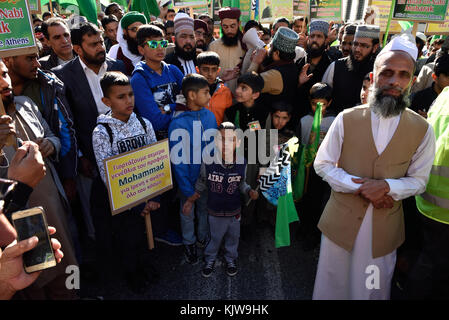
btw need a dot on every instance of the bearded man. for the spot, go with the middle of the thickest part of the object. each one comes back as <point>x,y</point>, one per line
<point>201,32</point>
<point>184,55</point>
<point>229,47</point>
<point>346,75</point>
<point>313,65</point>
<point>373,156</point>
<point>126,49</point>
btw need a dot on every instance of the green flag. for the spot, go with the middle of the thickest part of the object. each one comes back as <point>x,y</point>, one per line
<point>285,214</point>
<point>276,186</point>
<point>88,8</point>
<point>405,25</point>
<point>147,7</point>
<point>306,156</point>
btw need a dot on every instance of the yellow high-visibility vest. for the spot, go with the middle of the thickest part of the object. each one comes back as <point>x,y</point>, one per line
<point>434,202</point>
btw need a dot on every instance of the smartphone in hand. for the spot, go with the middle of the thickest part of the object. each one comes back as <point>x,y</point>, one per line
<point>29,223</point>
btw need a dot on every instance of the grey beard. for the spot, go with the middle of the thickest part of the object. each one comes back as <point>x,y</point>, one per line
<point>387,106</point>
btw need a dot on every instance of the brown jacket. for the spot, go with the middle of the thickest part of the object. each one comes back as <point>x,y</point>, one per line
<point>344,212</point>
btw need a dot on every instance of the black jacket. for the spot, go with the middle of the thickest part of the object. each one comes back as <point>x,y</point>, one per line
<point>82,102</point>
<point>51,61</point>
<point>302,103</point>
<point>55,109</point>
<point>172,58</point>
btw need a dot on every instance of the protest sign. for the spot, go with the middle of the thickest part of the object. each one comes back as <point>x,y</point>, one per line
<point>16,29</point>
<point>439,28</point>
<point>138,175</point>
<point>420,10</point>
<point>329,10</point>
<point>35,6</point>
<point>378,12</point>
<point>269,10</point>
<point>300,8</point>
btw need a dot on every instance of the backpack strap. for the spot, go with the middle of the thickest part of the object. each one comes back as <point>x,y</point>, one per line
<point>142,122</point>
<point>109,131</point>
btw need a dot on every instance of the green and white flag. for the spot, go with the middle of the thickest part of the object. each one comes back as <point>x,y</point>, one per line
<point>276,187</point>
<point>307,155</point>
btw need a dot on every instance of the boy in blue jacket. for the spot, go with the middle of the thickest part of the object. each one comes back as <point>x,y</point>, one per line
<point>186,155</point>
<point>155,83</point>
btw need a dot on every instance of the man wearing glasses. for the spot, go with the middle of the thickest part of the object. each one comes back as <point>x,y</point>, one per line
<point>346,75</point>
<point>184,56</point>
<point>201,32</point>
<point>126,49</point>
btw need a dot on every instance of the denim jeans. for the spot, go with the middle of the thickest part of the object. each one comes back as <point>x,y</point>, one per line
<point>188,221</point>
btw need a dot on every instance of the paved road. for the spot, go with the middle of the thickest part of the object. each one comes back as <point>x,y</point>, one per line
<point>265,273</point>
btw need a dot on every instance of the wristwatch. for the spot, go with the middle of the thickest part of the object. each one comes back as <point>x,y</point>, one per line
<point>167,108</point>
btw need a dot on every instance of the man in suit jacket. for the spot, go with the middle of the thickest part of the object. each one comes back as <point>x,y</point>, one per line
<point>81,77</point>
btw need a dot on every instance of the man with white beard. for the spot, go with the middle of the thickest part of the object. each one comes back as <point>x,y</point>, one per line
<point>373,156</point>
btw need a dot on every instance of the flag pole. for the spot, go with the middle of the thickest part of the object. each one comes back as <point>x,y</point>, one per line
<point>393,4</point>
<point>51,7</point>
<point>129,4</point>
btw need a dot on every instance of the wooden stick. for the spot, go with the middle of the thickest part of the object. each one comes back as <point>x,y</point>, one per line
<point>149,231</point>
<point>415,28</point>
<point>129,4</point>
<point>51,7</point>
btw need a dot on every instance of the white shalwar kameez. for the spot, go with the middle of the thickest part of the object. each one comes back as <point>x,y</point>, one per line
<point>348,275</point>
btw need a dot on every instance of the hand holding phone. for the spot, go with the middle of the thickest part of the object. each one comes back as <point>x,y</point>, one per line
<point>12,274</point>
<point>31,223</point>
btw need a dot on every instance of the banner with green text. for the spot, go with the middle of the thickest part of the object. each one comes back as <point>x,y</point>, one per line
<point>16,29</point>
<point>420,10</point>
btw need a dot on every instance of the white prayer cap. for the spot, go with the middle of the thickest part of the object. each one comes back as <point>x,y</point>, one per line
<point>403,42</point>
<point>421,36</point>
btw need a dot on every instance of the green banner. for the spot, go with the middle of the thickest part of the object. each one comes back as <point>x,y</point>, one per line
<point>16,32</point>
<point>325,10</point>
<point>420,10</point>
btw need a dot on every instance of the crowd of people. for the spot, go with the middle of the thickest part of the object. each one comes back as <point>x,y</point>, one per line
<point>94,91</point>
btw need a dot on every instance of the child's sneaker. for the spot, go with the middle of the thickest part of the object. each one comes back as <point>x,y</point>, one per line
<point>208,269</point>
<point>231,268</point>
<point>190,253</point>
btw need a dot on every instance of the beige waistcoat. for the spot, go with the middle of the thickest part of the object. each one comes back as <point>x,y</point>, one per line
<point>344,212</point>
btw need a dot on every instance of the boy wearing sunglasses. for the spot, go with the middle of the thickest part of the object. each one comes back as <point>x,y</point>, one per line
<point>155,83</point>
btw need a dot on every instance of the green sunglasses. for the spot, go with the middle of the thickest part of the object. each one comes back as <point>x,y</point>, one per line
<point>153,44</point>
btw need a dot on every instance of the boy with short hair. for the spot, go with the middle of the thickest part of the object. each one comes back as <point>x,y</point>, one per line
<point>120,130</point>
<point>246,113</point>
<point>155,82</point>
<point>195,89</point>
<point>364,93</point>
<point>318,191</point>
<point>208,65</point>
<point>224,180</point>
<point>280,115</point>
<point>249,114</point>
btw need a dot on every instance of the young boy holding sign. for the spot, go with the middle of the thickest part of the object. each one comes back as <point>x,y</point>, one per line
<point>120,130</point>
